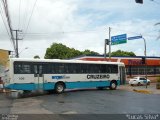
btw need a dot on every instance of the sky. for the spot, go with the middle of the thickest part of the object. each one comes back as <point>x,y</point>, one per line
<point>81,24</point>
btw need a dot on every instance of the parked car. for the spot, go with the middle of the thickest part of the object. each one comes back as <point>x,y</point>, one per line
<point>139,81</point>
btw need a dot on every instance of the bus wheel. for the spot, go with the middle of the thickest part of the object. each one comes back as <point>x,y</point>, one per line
<point>113,85</point>
<point>59,88</point>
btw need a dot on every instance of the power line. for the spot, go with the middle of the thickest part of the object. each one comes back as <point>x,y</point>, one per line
<point>4,21</point>
<point>133,32</point>
<point>5,5</point>
<point>19,14</point>
<point>25,14</point>
<point>30,18</point>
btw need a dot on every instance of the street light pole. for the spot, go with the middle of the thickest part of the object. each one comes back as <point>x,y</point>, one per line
<point>105,48</point>
<point>145,54</point>
<point>109,44</point>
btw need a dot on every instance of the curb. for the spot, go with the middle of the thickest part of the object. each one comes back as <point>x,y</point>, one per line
<point>143,91</point>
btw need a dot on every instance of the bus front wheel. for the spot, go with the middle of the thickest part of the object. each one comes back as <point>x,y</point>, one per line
<point>59,88</point>
<point>113,85</point>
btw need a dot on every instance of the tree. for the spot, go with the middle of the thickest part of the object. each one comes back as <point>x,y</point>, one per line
<point>88,52</point>
<point>36,57</point>
<point>60,51</point>
<point>122,53</point>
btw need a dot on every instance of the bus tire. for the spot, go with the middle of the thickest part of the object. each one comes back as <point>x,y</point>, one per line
<point>113,85</point>
<point>59,87</point>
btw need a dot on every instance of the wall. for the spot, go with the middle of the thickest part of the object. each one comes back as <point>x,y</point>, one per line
<point>4,57</point>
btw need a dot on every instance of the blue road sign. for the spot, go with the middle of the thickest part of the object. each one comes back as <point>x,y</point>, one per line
<point>119,39</point>
<point>135,37</point>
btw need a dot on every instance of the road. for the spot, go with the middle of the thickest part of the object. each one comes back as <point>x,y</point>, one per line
<point>84,102</point>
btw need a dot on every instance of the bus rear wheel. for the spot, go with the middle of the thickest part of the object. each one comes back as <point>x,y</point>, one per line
<point>113,85</point>
<point>59,88</point>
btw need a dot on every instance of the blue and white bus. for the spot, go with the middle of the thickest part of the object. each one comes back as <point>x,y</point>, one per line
<point>58,75</point>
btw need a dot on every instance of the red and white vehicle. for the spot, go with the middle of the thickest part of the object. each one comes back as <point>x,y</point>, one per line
<point>139,81</point>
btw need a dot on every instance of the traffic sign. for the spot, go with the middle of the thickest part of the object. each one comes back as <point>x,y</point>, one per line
<point>135,37</point>
<point>119,39</point>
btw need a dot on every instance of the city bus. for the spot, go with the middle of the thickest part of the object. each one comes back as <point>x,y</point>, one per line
<point>58,75</point>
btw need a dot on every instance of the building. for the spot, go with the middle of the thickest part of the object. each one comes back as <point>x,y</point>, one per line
<point>4,58</point>
<point>134,65</point>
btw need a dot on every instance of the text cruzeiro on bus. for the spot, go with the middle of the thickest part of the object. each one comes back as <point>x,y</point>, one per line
<point>98,76</point>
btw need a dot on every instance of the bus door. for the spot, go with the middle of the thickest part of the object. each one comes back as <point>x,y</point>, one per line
<point>122,75</point>
<point>38,76</point>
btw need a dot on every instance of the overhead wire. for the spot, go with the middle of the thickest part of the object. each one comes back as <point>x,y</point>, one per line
<point>5,5</point>
<point>19,20</point>
<point>25,15</point>
<point>132,32</point>
<point>25,5</point>
<point>1,12</point>
<point>25,31</point>
<point>84,31</point>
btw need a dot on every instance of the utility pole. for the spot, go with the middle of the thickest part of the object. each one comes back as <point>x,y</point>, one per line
<point>105,47</point>
<point>17,53</point>
<point>109,44</point>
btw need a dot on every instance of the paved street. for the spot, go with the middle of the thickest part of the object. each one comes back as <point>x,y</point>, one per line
<point>83,102</point>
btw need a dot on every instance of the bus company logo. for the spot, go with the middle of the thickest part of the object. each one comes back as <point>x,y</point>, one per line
<point>98,76</point>
<point>60,77</point>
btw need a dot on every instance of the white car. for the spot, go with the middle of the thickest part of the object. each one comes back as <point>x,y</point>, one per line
<point>139,81</point>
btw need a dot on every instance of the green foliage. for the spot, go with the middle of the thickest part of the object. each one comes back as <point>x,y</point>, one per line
<point>36,57</point>
<point>88,52</point>
<point>60,51</point>
<point>122,53</point>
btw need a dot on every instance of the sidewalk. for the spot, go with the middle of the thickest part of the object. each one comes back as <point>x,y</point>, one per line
<point>151,89</point>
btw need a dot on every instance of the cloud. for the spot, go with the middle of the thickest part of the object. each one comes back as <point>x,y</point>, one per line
<point>83,24</point>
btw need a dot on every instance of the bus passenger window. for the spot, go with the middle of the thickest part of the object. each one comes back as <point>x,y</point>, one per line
<point>35,69</point>
<point>40,69</point>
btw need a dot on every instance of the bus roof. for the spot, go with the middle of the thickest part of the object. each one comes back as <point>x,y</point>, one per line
<point>63,61</point>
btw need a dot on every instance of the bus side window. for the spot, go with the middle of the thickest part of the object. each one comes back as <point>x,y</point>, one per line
<point>114,69</point>
<point>18,68</point>
<point>40,69</point>
<point>66,67</point>
<point>35,69</point>
<point>109,67</point>
<point>103,68</point>
<point>26,69</point>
